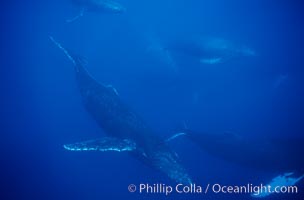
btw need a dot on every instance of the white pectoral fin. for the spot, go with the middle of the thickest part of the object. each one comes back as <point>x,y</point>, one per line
<point>103,144</point>
<point>81,13</point>
<point>175,136</point>
<point>284,180</point>
<point>113,89</point>
<point>211,61</point>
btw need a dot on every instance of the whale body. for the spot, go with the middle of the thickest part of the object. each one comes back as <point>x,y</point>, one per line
<point>126,131</point>
<point>209,50</point>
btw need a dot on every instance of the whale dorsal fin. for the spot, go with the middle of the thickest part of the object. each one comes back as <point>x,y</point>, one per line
<point>103,144</point>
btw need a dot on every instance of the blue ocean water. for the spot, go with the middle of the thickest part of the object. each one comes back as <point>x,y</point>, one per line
<point>41,107</point>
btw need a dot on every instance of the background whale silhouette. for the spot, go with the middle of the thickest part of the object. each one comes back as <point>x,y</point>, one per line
<point>200,50</point>
<point>273,154</point>
<point>210,50</point>
<point>98,6</point>
<point>281,157</point>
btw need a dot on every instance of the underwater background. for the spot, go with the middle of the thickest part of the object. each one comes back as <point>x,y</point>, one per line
<point>41,108</point>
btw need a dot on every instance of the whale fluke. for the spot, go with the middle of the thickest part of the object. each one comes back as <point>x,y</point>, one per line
<point>103,144</point>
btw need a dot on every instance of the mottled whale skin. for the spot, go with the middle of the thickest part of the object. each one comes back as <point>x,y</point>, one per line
<point>126,131</point>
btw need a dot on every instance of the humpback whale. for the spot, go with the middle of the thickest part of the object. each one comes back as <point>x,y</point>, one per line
<point>99,6</point>
<point>282,156</point>
<point>126,131</point>
<point>209,50</point>
<point>264,153</point>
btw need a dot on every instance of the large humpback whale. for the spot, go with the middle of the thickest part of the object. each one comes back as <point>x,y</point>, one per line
<point>99,6</point>
<point>125,129</point>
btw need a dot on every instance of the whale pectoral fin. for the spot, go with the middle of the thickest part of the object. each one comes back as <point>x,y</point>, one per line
<point>284,180</point>
<point>113,89</point>
<point>211,61</point>
<point>175,136</point>
<point>103,144</point>
<point>81,13</point>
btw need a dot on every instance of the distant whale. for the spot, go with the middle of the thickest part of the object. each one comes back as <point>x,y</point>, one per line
<point>204,50</point>
<point>125,129</point>
<point>211,50</point>
<point>99,6</point>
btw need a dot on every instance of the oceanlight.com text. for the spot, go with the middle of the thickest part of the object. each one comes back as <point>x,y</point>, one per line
<point>254,190</point>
